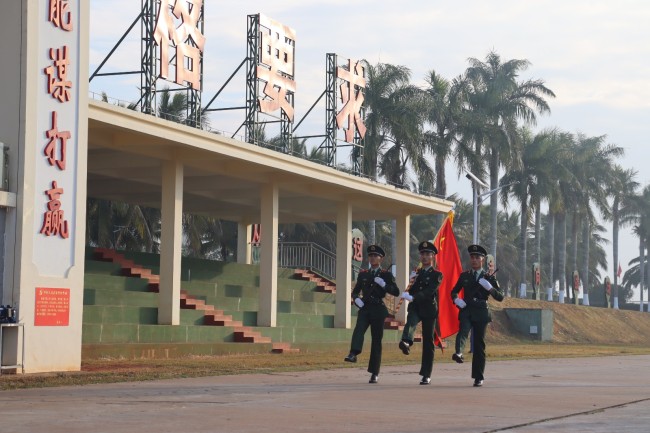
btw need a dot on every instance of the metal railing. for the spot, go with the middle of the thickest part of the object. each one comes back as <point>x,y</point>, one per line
<point>307,255</point>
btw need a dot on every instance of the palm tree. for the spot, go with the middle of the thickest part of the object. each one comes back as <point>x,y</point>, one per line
<point>529,183</point>
<point>122,226</point>
<point>444,101</point>
<point>383,82</point>
<point>172,107</point>
<point>497,101</point>
<point>622,189</point>
<point>592,169</point>
<point>637,273</point>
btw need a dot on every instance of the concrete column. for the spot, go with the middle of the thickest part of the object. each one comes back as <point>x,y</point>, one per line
<point>169,299</point>
<point>267,314</point>
<point>43,261</point>
<point>244,231</point>
<point>343,266</point>
<point>401,259</point>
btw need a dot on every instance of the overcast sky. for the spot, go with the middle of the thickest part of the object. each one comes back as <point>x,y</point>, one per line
<point>595,56</point>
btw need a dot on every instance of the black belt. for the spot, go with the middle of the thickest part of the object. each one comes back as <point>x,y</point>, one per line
<point>480,302</point>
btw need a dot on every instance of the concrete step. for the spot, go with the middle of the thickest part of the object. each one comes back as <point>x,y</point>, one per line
<point>283,348</point>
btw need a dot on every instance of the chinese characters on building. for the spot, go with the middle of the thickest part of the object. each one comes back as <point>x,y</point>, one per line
<point>357,249</point>
<point>352,97</point>
<point>52,307</point>
<point>276,66</point>
<point>187,40</point>
<point>58,87</point>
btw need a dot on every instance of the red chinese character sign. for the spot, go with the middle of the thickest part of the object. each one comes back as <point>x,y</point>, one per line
<point>357,251</point>
<point>56,141</point>
<point>576,286</point>
<point>52,307</point>
<point>184,42</point>
<point>537,280</point>
<point>60,15</point>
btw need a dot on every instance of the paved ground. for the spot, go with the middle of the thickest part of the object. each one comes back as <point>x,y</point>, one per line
<point>609,394</point>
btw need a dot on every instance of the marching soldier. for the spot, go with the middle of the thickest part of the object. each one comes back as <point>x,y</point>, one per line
<point>368,294</point>
<point>423,307</point>
<point>474,312</point>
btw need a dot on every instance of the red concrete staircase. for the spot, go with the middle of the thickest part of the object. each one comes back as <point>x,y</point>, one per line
<point>212,317</point>
<point>322,283</point>
<point>327,286</point>
<point>391,323</point>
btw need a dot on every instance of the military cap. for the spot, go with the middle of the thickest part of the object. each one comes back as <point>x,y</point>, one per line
<point>375,249</point>
<point>477,249</point>
<point>427,246</point>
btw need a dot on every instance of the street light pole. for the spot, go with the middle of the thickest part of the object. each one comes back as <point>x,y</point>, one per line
<point>478,199</point>
<point>476,183</point>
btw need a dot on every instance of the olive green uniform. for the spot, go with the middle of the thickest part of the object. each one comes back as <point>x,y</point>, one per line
<point>424,308</point>
<point>475,315</point>
<point>373,314</point>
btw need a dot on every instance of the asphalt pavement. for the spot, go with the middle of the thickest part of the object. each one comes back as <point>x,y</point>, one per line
<point>600,394</point>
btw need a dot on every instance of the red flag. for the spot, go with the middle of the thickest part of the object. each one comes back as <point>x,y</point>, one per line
<point>620,271</point>
<point>449,264</point>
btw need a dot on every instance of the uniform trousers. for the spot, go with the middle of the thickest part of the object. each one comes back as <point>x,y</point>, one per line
<point>478,352</point>
<point>428,325</point>
<point>372,316</point>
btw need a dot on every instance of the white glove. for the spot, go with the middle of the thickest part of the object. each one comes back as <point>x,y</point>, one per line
<point>359,302</point>
<point>407,296</point>
<point>413,275</point>
<point>485,283</point>
<point>460,303</point>
<point>380,282</point>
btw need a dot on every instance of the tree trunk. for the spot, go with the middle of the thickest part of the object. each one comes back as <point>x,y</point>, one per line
<point>371,232</point>
<point>551,251</point>
<point>615,252</point>
<point>647,272</point>
<point>586,236</point>
<point>538,235</point>
<point>523,234</point>
<point>441,185</point>
<point>393,240</point>
<point>562,253</point>
<point>641,271</point>
<point>494,203</point>
<point>574,253</point>
<point>536,256</point>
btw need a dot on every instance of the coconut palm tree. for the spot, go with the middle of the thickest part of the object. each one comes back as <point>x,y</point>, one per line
<point>637,273</point>
<point>383,82</point>
<point>122,226</point>
<point>530,183</point>
<point>592,168</point>
<point>622,189</point>
<point>497,100</point>
<point>444,101</point>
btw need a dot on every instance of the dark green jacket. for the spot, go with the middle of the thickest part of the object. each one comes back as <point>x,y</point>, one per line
<point>476,296</point>
<point>372,293</point>
<point>425,293</point>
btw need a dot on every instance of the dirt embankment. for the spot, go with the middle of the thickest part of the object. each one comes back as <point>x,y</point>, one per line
<point>575,324</point>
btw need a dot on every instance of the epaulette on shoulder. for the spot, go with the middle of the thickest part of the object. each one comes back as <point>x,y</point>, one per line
<point>363,270</point>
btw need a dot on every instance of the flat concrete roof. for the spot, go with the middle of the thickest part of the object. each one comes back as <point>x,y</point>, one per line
<point>223,176</point>
<point>606,394</point>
